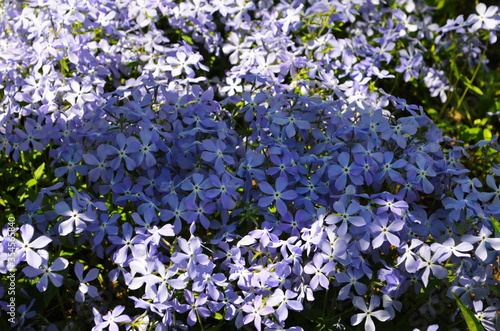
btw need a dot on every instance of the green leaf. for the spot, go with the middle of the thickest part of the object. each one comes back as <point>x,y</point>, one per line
<point>496,225</point>
<point>469,85</point>
<point>495,289</point>
<point>39,171</point>
<point>487,135</point>
<point>188,39</point>
<point>64,65</point>
<point>215,327</point>
<point>454,67</point>
<point>470,134</point>
<point>31,182</point>
<point>259,253</point>
<point>440,4</point>
<point>471,320</point>
<point>49,294</point>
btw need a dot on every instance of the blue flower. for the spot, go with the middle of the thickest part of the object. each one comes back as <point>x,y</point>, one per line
<point>25,249</point>
<point>215,151</point>
<point>255,309</point>
<point>339,173</point>
<point>277,195</point>
<point>111,319</point>
<point>75,218</point>
<point>47,273</point>
<point>226,189</point>
<point>345,216</point>
<point>84,288</point>
<point>368,312</point>
<point>72,167</point>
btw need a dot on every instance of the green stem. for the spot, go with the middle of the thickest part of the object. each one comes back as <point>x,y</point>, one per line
<point>199,321</point>
<point>342,313</point>
<point>450,93</point>
<point>59,298</point>
<point>325,301</point>
<point>471,82</point>
<point>448,99</point>
<point>407,315</point>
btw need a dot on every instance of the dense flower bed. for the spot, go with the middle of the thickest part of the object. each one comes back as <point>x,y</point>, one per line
<point>200,165</point>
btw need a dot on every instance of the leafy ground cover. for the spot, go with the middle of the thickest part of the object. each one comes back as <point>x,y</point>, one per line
<point>206,165</point>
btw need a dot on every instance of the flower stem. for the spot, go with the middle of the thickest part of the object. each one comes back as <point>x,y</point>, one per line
<point>199,321</point>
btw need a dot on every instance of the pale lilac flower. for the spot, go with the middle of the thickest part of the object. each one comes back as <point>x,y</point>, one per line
<point>33,258</point>
<point>47,273</point>
<point>368,312</point>
<point>84,288</point>
<point>485,243</point>
<point>284,302</point>
<point>485,18</point>
<point>111,319</point>
<point>75,218</point>
<point>255,310</point>
<point>430,264</point>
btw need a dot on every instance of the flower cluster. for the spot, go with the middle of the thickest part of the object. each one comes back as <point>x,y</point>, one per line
<point>237,162</point>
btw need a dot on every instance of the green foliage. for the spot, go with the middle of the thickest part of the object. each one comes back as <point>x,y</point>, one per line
<point>471,320</point>
<point>20,180</point>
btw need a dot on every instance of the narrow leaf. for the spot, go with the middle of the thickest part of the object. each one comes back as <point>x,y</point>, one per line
<point>468,83</point>
<point>454,67</point>
<point>495,289</point>
<point>31,182</point>
<point>496,225</point>
<point>471,320</point>
<point>39,171</point>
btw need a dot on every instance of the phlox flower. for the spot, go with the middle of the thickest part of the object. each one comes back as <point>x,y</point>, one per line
<point>487,196</point>
<point>75,217</point>
<point>196,307</point>
<point>319,271</point>
<point>291,123</point>
<point>250,167</point>
<point>486,316</point>
<point>80,94</point>
<point>25,312</point>
<point>387,169</point>
<point>449,248</point>
<point>47,273</point>
<point>346,216</point>
<point>368,312</point>
<point>430,264</point>
<point>190,255</point>
<point>72,167</point>
<point>209,282</point>
<point>182,62</point>
<point>125,242</point>
<point>197,185</point>
<point>255,310</point>
<point>145,151</point>
<point>484,19</point>
<point>84,288</point>
<point>351,277</point>
<point>485,243</point>
<point>125,146</point>
<point>284,302</point>
<point>276,195</point>
<point>225,187</point>
<point>215,151</point>
<point>111,320</point>
<point>471,288</point>
<point>383,232</point>
<point>424,169</point>
<point>25,249</point>
<point>98,160</point>
<point>339,173</point>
